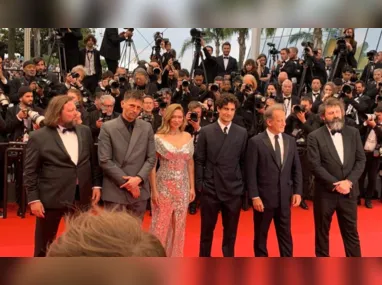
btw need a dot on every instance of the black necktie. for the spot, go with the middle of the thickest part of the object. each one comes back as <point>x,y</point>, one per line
<point>67,130</point>
<point>225,130</point>
<point>333,132</point>
<point>130,128</point>
<point>277,150</point>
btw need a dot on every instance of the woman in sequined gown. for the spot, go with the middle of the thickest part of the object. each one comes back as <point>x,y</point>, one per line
<point>172,185</point>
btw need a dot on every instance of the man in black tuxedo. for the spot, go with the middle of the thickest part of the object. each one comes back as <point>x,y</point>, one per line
<point>111,47</point>
<point>61,170</point>
<point>337,160</point>
<point>219,160</point>
<point>90,58</point>
<point>274,179</point>
<point>226,63</point>
<point>72,51</point>
<point>286,98</point>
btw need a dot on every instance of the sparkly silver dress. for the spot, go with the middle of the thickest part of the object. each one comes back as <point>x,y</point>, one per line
<point>169,216</point>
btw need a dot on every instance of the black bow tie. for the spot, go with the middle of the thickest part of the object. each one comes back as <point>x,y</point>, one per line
<point>226,57</point>
<point>287,98</point>
<point>333,132</point>
<point>90,51</point>
<point>68,130</point>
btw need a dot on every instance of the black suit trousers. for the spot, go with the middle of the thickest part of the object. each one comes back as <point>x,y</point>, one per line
<point>371,170</point>
<point>111,65</point>
<point>209,209</point>
<point>306,175</point>
<point>346,210</point>
<point>282,221</point>
<point>47,227</point>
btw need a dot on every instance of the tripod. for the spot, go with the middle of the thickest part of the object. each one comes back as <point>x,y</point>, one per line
<point>307,64</point>
<point>334,70</point>
<point>128,44</point>
<point>271,64</point>
<point>198,53</point>
<point>370,71</point>
<point>59,45</point>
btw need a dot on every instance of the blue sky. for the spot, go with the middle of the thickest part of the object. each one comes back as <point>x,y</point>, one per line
<point>142,38</point>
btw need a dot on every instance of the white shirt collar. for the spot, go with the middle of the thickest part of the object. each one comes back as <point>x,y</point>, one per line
<point>222,126</point>
<point>272,135</point>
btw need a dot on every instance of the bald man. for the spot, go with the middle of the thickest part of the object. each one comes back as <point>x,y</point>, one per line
<point>286,98</point>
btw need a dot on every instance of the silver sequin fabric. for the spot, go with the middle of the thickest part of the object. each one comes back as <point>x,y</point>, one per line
<point>169,216</point>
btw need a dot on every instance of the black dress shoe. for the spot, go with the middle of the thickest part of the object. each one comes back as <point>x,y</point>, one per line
<point>368,204</point>
<point>303,205</point>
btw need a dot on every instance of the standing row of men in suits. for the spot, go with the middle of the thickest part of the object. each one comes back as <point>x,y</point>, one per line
<point>61,170</point>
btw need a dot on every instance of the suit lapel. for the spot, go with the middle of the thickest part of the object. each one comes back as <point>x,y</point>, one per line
<point>134,137</point>
<point>60,143</point>
<point>123,131</point>
<point>331,147</point>
<point>346,137</point>
<point>80,140</point>
<point>268,144</point>
<point>286,150</point>
<point>219,134</point>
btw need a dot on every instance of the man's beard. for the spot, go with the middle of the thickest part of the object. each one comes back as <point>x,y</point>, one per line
<point>69,125</point>
<point>336,124</point>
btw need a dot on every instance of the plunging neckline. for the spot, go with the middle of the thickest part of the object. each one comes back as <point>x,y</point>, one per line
<point>177,148</point>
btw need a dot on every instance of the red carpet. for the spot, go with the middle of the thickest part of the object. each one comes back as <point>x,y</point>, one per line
<point>16,234</point>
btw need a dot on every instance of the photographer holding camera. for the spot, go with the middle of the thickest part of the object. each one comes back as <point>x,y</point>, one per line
<point>286,65</point>
<point>315,65</point>
<point>70,38</point>
<point>43,73</point>
<point>111,46</point>
<point>106,82</point>
<point>356,102</point>
<point>19,124</point>
<point>299,125</point>
<point>148,113</point>
<point>371,134</point>
<point>98,118</point>
<point>28,79</point>
<point>185,92</point>
<point>345,51</point>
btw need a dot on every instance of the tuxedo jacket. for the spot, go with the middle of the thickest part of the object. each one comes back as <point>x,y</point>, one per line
<point>50,174</point>
<point>219,161</point>
<point>265,179</point>
<point>111,44</point>
<point>231,67</point>
<point>326,164</point>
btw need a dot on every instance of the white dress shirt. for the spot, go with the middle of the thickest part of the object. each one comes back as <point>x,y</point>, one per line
<point>70,141</point>
<point>338,144</point>
<point>371,141</point>
<point>222,126</point>
<point>225,60</point>
<point>89,62</point>
<point>287,105</point>
<point>281,143</point>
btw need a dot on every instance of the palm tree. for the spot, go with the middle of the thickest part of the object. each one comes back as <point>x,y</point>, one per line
<point>215,35</point>
<point>315,37</point>
<point>242,36</point>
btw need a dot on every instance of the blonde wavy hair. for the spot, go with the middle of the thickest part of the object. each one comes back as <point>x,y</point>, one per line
<point>170,110</point>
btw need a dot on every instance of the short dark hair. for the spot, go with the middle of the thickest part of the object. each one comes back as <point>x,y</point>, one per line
<point>305,98</point>
<point>378,109</point>
<point>286,49</point>
<point>198,72</point>
<point>226,44</point>
<point>147,97</point>
<point>316,78</point>
<point>133,94</point>
<point>36,60</point>
<point>210,48</point>
<point>360,82</point>
<point>107,74</point>
<point>225,99</point>
<point>183,73</point>
<point>347,69</point>
<point>193,105</point>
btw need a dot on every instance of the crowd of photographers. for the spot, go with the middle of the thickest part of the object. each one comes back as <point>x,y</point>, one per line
<point>300,84</point>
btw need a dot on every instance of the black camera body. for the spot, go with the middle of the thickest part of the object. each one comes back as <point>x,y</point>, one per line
<point>214,87</point>
<point>341,43</point>
<point>185,83</point>
<point>307,46</point>
<point>147,118</point>
<point>105,117</point>
<point>260,101</point>
<point>74,74</point>
<point>370,55</point>
<point>194,117</point>
<point>298,109</point>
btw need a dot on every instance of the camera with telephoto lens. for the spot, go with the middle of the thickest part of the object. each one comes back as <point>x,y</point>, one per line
<point>197,34</point>
<point>185,83</point>
<point>260,101</point>
<point>346,89</point>
<point>113,84</point>
<point>158,38</point>
<point>341,43</point>
<point>74,74</point>
<point>298,109</point>
<point>35,117</point>
<point>214,87</point>
<point>44,83</point>
<point>371,54</point>
<point>272,49</point>
<point>156,70</point>
<point>147,117</point>
<point>235,74</point>
<point>247,88</point>
<point>194,117</point>
<point>105,117</point>
<point>307,46</point>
